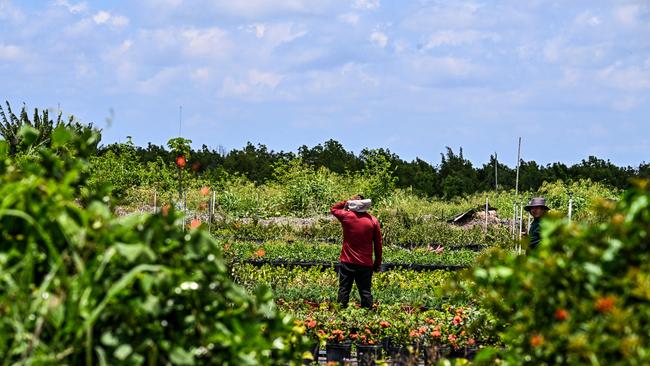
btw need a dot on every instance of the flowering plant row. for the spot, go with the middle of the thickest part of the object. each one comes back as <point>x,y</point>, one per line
<point>402,326</point>
<point>310,251</point>
<point>313,284</point>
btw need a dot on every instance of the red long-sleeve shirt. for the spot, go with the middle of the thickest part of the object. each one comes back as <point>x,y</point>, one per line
<point>361,233</point>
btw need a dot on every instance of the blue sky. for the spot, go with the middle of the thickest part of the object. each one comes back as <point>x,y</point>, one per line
<point>572,78</point>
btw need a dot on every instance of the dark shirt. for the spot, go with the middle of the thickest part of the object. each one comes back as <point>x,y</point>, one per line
<point>534,234</point>
<point>361,233</point>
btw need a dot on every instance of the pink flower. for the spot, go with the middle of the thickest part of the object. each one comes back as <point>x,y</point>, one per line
<point>439,249</point>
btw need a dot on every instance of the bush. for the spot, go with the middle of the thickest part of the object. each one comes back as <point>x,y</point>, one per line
<point>582,297</point>
<point>78,286</point>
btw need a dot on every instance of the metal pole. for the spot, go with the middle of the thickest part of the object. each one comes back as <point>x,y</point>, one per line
<point>496,165</point>
<point>521,221</point>
<point>154,202</point>
<point>518,160</point>
<point>486,213</point>
<point>570,204</point>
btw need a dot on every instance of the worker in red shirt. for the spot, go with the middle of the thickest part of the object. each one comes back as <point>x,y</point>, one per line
<point>361,234</point>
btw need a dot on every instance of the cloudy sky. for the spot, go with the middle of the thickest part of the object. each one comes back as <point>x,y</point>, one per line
<point>572,78</point>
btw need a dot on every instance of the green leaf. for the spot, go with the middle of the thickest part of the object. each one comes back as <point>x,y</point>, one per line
<point>28,134</point>
<point>108,339</point>
<point>132,251</point>
<point>60,135</point>
<point>123,352</point>
<point>179,356</point>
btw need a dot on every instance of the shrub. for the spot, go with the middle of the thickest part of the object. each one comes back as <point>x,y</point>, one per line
<point>582,297</point>
<point>78,286</point>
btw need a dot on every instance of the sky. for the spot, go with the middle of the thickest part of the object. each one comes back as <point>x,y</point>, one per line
<point>571,77</point>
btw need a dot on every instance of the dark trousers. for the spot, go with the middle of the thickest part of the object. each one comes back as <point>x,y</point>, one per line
<point>362,275</point>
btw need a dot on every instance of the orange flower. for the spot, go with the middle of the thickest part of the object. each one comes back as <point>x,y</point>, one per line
<point>471,342</point>
<point>180,161</point>
<point>452,338</point>
<point>165,210</point>
<point>195,223</point>
<point>537,340</point>
<point>205,191</point>
<point>311,323</point>
<point>413,333</point>
<point>457,320</point>
<point>226,247</point>
<point>260,252</point>
<point>436,333</point>
<point>604,304</point>
<point>561,314</point>
<point>384,324</point>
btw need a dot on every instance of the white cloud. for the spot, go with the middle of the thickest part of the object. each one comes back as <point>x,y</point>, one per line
<point>366,4</point>
<point>265,79</point>
<point>11,52</point>
<point>9,12</point>
<point>206,42</point>
<point>587,18</point>
<point>257,85</point>
<point>277,33</point>
<point>628,14</point>
<point>159,81</point>
<point>349,18</point>
<point>626,103</point>
<point>105,17</point>
<point>77,8</point>
<point>379,38</point>
<point>457,38</point>
<point>201,74</point>
<point>630,78</point>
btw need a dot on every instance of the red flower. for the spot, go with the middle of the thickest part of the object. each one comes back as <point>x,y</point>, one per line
<point>436,333</point>
<point>561,314</point>
<point>311,323</point>
<point>471,342</point>
<point>452,338</point>
<point>384,324</point>
<point>604,304</point>
<point>195,223</point>
<point>536,340</point>
<point>180,161</point>
<point>457,320</point>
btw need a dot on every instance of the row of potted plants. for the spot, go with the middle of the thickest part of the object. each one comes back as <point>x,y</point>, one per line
<point>417,233</point>
<point>315,251</point>
<point>313,284</point>
<point>399,331</point>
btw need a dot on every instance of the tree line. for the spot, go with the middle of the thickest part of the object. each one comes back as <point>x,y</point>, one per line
<point>453,176</point>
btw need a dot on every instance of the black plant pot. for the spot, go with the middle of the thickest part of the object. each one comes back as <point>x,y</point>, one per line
<point>367,354</point>
<point>338,352</point>
<point>314,350</point>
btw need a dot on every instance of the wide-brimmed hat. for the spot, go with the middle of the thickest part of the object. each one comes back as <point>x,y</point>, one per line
<point>536,202</point>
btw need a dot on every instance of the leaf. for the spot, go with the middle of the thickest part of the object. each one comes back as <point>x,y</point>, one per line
<point>132,251</point>
<point>60,135</point>
<point>179,356</point>
<point>123,351</point>
<point>108,339</point>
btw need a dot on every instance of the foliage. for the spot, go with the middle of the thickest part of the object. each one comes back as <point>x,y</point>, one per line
<point>585,194</point>
<point>11,125</point>
<point>580,298</point>
<point>78,286</point>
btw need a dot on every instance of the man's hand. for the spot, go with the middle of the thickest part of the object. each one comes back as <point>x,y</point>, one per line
<point>376,268</point>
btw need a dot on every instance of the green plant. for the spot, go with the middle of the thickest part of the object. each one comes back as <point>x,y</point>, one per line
<point>80,286</point>
<point>583,297</point>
